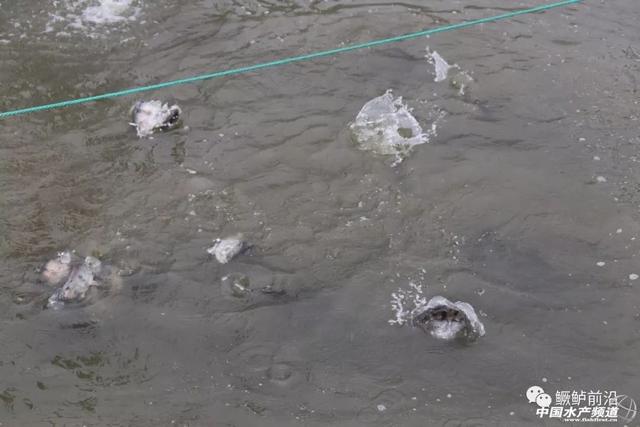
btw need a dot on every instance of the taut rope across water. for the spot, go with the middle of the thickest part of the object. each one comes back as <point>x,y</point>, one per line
<point>284,61</point>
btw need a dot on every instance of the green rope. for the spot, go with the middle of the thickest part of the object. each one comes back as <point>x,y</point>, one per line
<point>284,61</point>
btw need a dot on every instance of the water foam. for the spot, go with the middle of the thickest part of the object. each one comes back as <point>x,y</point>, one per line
<point>92,18</point>
<point>110,12</point>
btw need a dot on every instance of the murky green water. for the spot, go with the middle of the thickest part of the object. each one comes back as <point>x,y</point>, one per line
<point>503,209</point>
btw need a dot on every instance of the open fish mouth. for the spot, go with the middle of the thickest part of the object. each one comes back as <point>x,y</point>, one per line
<point>444,319</point>
<point>441,314</point>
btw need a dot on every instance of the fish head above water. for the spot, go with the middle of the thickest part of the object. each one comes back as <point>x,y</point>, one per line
<point>79,282</point>
<point>444,319</point>
<point>151,116</point>
<point>82,278</point>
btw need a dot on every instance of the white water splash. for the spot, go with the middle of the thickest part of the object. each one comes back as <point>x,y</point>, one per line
<point>459,78</point>
<point>93,18</point>
<point>386,126</point>
<point>404,301</point>
<point>441,66</point>
<point>110,12</point>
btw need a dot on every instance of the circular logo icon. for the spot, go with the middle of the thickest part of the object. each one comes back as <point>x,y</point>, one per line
<point>627,409</point>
